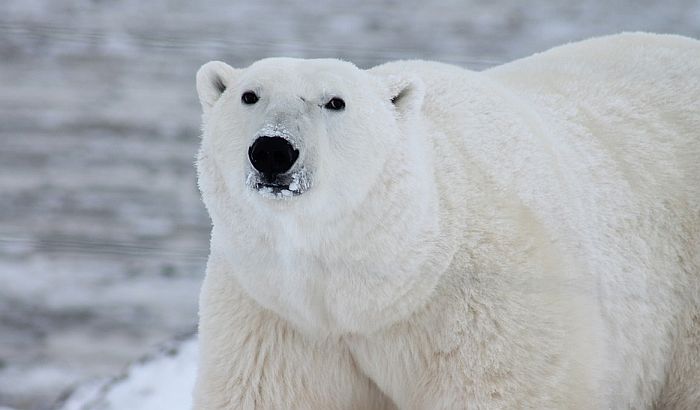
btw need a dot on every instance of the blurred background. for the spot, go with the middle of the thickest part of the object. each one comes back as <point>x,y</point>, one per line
<point>103,238</point>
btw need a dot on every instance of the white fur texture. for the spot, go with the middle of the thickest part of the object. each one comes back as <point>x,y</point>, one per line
<point>523,237</point>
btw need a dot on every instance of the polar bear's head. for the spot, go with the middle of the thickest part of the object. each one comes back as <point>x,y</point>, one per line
<point>300,164</point>
<point>287,128</point>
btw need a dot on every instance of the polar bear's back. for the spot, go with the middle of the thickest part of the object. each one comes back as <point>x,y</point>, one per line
<point>636,94</point>
<point>626,109</point>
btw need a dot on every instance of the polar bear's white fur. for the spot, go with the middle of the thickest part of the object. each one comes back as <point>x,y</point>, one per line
<point>523,237</point>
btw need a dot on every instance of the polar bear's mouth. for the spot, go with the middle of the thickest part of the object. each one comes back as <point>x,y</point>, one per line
<point>283,186</point>
<point>275,189</point>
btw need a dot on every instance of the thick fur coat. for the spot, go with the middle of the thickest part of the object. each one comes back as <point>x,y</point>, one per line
<point>523,237</point>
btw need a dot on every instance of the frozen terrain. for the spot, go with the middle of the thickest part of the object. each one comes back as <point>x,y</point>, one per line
<point>160,381</point>
<point>103,238</point>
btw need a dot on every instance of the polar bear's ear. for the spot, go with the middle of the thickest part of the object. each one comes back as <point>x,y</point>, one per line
<point>212,80</point>
<point>406,92</point>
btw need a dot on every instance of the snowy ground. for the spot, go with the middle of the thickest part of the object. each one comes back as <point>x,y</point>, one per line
<point>162,380</point>
<point>103,238</point>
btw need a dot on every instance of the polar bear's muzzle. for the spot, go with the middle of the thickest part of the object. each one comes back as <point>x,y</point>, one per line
<point>272,158</point>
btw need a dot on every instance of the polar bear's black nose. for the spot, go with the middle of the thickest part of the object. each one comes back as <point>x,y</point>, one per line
<point>272,155</point>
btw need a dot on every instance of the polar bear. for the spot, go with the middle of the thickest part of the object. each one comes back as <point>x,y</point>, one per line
<point>421,236</point>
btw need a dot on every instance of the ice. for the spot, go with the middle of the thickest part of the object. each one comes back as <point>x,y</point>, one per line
<point>294,186</point>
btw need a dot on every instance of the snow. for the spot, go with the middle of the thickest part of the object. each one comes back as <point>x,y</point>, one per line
<point>163,381</point>
<point>103,237</point>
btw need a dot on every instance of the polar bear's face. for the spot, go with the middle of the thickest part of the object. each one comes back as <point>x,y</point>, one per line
<point>301,162</point>
<point>287,130</point>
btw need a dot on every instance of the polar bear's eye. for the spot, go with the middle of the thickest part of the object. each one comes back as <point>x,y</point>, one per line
<point>249,97</point>
<point>335,104</point>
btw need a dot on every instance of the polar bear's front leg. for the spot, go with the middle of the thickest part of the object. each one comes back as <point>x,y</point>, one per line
<point>252,359</point>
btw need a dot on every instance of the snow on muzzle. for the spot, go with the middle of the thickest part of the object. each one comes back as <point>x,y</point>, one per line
<point>274,174</point>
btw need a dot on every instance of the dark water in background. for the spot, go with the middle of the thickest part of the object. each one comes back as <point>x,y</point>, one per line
<point>103,239</point>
